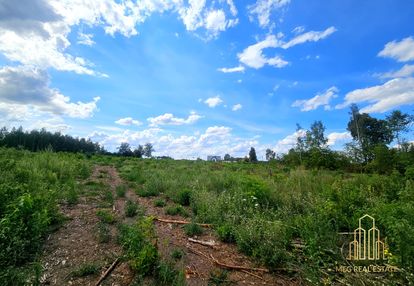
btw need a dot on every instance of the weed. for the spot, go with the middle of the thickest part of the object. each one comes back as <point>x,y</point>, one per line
<point>176,210</point>
<point>131,208</point>
<point>219,278</point>
<point>183,197</point>
<point>86,270</point>
<point>121,191</point>
<point>103,234</point>
<point>193,229</point>
<point>160,203</point>
<point>167,275</point>
<point>106,216</point>
<point>177,254</point>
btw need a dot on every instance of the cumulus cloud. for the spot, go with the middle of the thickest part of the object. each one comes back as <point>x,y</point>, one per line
<point>231,70</point>
<point>128,121</point>
<point>289,142</point>
<point>381,98</point>
<point>236,107</point>
<point>262,10</point>
<point>336,137</point>
<point>169,119</point>
<point>402,51</point>
<point>321,99</point>
<point>213,101</point>
<point>28,88</point>
<point>406,71</point>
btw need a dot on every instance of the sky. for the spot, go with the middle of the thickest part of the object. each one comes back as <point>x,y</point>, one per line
<point>198,77</point>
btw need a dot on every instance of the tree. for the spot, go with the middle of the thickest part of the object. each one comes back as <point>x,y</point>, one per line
<point>300,142</point>
<point>227,157</point>
<point>315,138</point>
<point>148,149</point>
<point>270,154</point>
<point>125,149</point>
<point>398,123</point>
<point>139,151</point>
<point>252,155</point>
<point>368,132</point>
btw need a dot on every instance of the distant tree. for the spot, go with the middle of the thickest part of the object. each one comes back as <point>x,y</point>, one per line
<point>315,138</point>
<point>368,132</point>
<point>300,142</point>
<point>227,157</point>
<point>148,149</point>
<point>252,155</point>
<point>270,154</point>
<point>138,152</point>
<point>125,149</point>
<point>399,123</point>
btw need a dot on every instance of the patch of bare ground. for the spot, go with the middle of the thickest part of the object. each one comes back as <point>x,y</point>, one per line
<point>75,244</point>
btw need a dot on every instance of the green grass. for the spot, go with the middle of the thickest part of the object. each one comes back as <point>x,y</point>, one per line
<point>177,254</point>
<point>121,191</point>
<point>103,232</point>
<point>86,270</point>
<point>106,216</point>
<point>131,209</point>
<point>176,210</point>
<point>160,203</point>
<point>193,229</point>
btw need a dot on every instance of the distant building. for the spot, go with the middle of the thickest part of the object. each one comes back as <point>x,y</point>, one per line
<point>214,158</point>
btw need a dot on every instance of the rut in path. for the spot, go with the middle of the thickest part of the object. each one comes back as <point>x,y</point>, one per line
<point>75,244</point>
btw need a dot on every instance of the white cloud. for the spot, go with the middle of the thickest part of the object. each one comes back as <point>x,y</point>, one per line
<point>169,119</point>
<point>406,71</point>
<point>311,36</point>
<point>402,51</point>
<point>85,39</point>
<point>321,99</point>
<point>381,98</point>
<point>289,142</point>
<point>213,101</point>
<point>236,107</point>
<point>20,86</point>
<point>335,137</point>
<point>298,30</point>
<point>128,121</point>
<point>253,57</point>
<point>231,70</point>
<point>262,9</point>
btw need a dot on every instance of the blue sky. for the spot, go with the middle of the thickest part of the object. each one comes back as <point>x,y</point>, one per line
<point>203,77</point>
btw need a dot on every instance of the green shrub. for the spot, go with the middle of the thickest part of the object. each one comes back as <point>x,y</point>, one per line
<point>106,216</point>
<point>131,208</point>
<point>226,233</point>
<point>103,232</point>
<point>193,229</point>
<point>184,197</point>
<point>177,254</point>
<point>159,203</point>
<point>121,191</point>
<point>167,275</point>
<point>176,210</point>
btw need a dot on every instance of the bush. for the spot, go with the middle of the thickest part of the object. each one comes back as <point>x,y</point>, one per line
<point>184,197</point>
<point>193,229</point>
<point>176,210</point>
<point>159,203</point>
<point>121,191</point>
<point>106,216</point>
<point>131,208</point>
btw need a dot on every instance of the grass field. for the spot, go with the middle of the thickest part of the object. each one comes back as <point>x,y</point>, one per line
<point>287,220</point>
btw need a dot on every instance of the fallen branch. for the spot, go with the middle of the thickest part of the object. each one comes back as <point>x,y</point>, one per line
<point>195,251</point>
<point>252,274</point>
<point>209,243</point>
<point>237,267</point>
<point>109,270</point>
<point>182,222</point>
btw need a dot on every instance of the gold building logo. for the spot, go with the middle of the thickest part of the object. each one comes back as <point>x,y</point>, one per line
<point>367,244</point>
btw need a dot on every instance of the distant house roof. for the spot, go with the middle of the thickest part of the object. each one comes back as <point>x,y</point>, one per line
<point>213,158</point>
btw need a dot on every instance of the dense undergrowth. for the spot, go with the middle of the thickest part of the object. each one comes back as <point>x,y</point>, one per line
<point>267,208</point>
<point>31,185</point>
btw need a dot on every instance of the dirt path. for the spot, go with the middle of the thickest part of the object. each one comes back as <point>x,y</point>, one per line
<point>75,244</point>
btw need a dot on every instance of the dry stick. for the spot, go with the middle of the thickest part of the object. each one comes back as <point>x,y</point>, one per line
<point>182,222</point>
<point>211,244</point>
<point>112,267</point>
<point>255,275</point>
<point>198,252</point>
